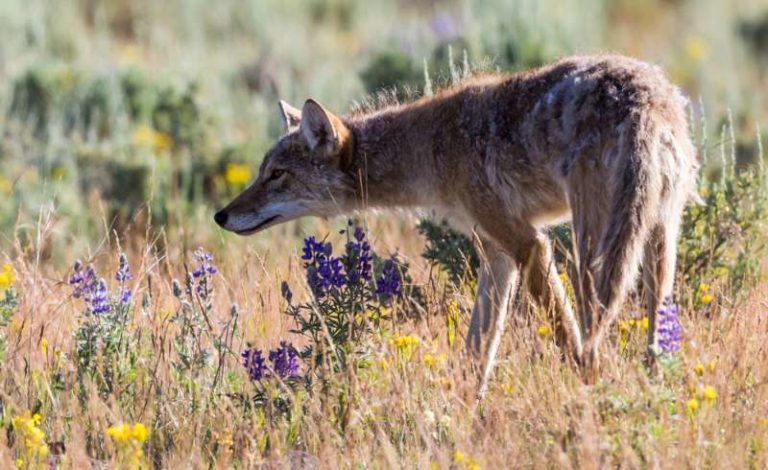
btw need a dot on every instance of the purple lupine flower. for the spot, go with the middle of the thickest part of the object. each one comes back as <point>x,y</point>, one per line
<point>324,271</point>
<point>366,267</point>
<point>338,279</point>
<point>205,266</point>
<point>314,251</point>
<point>202,275</point>
<point>285,361</point>
<point>254,364</point>
<point>123,270</point>
<point>308,249</point>
<point>670,333</point>
<point>81,279</point>
<point>98,297</point>
<point>123,275</point>
<point>327,274</point>
<point>389,283</point>
<point>358,257</point>
<point>89,287</point>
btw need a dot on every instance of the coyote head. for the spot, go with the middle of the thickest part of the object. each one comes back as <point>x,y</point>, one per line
<point>304,173</point>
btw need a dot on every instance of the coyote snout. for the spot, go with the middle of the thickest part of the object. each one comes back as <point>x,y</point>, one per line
<point>601,140</point>
<point>303,174</point>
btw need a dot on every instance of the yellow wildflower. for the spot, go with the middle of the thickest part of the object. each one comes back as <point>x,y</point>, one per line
<point>508,389</point>
<point>704,295</point>
<point>464,461</point>
<point>709,393</point>
<point>129,440</point>
<point>139,433</point>
<point>19,463</point>
<point>127,433</point>
<point>643,323</point>
<point>44,347</point>
<point>145,136</point>
<point>693,406</point>
<point>544,331</point>
<point>237,174</point>
<point>27,426</point>
<point>405,345</point>
<point>624,328</point>
<point>712,364</point>
<point>698,369</point>
<point>432,361</point>
<point>120,433</point>
<point>563,278</point>
<point>7,276</point>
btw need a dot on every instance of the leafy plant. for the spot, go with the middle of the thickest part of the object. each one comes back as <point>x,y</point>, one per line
<point>105,352</point>
<point>352,295</point>
<point>723,238</point>
<point>452,251</point>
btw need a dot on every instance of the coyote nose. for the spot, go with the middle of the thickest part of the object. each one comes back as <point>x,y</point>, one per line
<point>221,218</point>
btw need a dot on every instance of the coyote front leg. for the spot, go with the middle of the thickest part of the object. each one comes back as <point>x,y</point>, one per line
<point>498,280</point>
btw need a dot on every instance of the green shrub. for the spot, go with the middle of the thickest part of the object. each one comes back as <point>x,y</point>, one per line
<point>722,240</point>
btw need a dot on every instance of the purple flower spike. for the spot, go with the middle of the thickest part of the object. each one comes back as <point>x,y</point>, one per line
<point>389,283</point>
<point>123,270</point>
<point>284,360</point>
<point>202,276</point>
<point>670,333</point>
<point>90,288</point>
<point>205,266</point>
<point>254,364</point>
<point>123,275</point>
<point>97,298</point>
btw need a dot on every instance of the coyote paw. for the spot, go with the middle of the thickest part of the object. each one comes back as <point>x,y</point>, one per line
<point>589,364</point>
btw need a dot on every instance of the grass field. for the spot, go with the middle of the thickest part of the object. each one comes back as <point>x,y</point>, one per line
<point>126,124</point>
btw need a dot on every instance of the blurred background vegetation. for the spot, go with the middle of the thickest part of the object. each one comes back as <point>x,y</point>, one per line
<point>125,124</point>
<point>118,115</point>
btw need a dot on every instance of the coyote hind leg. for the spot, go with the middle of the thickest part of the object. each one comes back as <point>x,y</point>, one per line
<point>545,287</point>
<point>610,231</point>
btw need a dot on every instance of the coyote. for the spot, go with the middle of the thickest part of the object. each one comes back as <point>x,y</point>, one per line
<point>601,141</point>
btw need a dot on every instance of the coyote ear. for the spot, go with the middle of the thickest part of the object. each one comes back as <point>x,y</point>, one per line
<point>322,129</point>
<point>291,116</point>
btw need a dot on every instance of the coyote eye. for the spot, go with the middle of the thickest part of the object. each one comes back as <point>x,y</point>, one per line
<point>276,174</point>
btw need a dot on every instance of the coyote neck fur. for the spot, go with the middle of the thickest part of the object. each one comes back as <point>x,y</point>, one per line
<point>396,153</point>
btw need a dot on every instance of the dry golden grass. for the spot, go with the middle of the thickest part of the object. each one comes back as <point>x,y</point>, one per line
<point>401,412</point>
